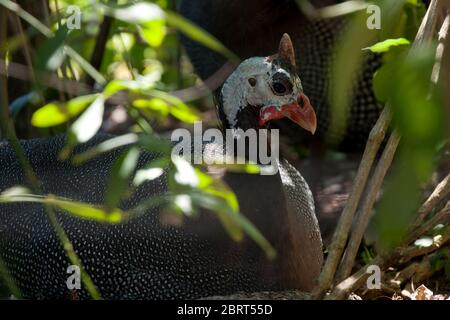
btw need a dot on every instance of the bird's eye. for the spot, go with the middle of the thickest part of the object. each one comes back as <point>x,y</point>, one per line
<point>252,81</point>
<point>279,88</point>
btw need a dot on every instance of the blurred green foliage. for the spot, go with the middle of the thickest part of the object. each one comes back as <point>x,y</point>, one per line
<point>404,84</point>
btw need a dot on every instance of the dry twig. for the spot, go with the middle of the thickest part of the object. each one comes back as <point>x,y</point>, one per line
<point>424,35</point>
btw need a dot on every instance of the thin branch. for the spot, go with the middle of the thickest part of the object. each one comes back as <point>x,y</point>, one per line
<point>51,80</point>
<point>441,191</point>
<point>7,128</point>
<point>357,280</point>
<point>9,132</point>
<point>62,68</point>
<point>374,188</point>
<point>445,68</point>
<point>424,35</point>
<point>340,236</point>
<point>443,39</point>
<point>438,218</point>
<point>408,253</point>
<point>42,28</point>
<point>4,272</point>
<point>100,45</point>
<point>26,48</point>
<point>428,27</point>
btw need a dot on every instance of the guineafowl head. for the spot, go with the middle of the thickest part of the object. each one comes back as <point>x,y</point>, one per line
<point>262,89</point>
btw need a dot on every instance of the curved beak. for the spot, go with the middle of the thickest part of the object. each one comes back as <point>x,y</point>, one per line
<point>301,112</point>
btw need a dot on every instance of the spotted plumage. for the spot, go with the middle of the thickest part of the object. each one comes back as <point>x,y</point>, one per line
<point>142,259</point>
<point>146,259</point>
<point>255,30</point>
<point>139,259</point>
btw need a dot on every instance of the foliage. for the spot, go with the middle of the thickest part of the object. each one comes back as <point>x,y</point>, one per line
<point>404,84</point>
<point>141,64</point>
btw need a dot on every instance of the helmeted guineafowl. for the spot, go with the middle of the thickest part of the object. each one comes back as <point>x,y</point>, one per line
<point>144,259</point>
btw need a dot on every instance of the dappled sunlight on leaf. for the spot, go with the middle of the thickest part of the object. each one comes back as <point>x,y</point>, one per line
<point>122,170</point>
<point>87,125</point>
<point>56,113</point>
<point>185,173</point>
<point>76,208</point>
<point>385,46</point>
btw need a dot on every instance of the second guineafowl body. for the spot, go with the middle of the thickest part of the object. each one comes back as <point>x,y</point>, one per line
<point>253,27</point>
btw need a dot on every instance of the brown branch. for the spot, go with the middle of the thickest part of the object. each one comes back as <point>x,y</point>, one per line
<point>100,45</point>
<point>403,275</point>
<point>439,217</point>
<point>353,282</point>
<point>411,252</point>
<point>340,236</point>
<point>428,26</point>
<point>441,191</point>
<point>424,35</point>
<point>445,69</point>
<point>363,219</point>
<point>51,80</point>
<point>357,280</point>
<point>397,257</point>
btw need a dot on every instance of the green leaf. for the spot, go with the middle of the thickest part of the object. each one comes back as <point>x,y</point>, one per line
<point>105,146</point>
<point>418,116</point>
<point>121,171</point>
<point>87,211</point>
<point>15,191</point>
<point>137,13</point>
<point>155,144</point>
<point>76,208</point>
<point>178,108</point>
<point>151,171</point>
<point>382,78</point>
<point>183,203</point>
<point>386,45</point>
<point>85,65</point>
<point>54,113</point>
<point>87,125</point>
<point>50,55</point>
<point>155,104</point>
<point>115,86</point>
<point>349,60</point>
<point>118,85</point>
<point>233,222</point>
<point>185,174</point>
<point>148,174</point>
<point>153,32</point>
<point>257,236</point>
<point>250,168</point>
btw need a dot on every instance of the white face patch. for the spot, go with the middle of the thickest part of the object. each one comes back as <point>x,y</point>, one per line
<point>238,93</point>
